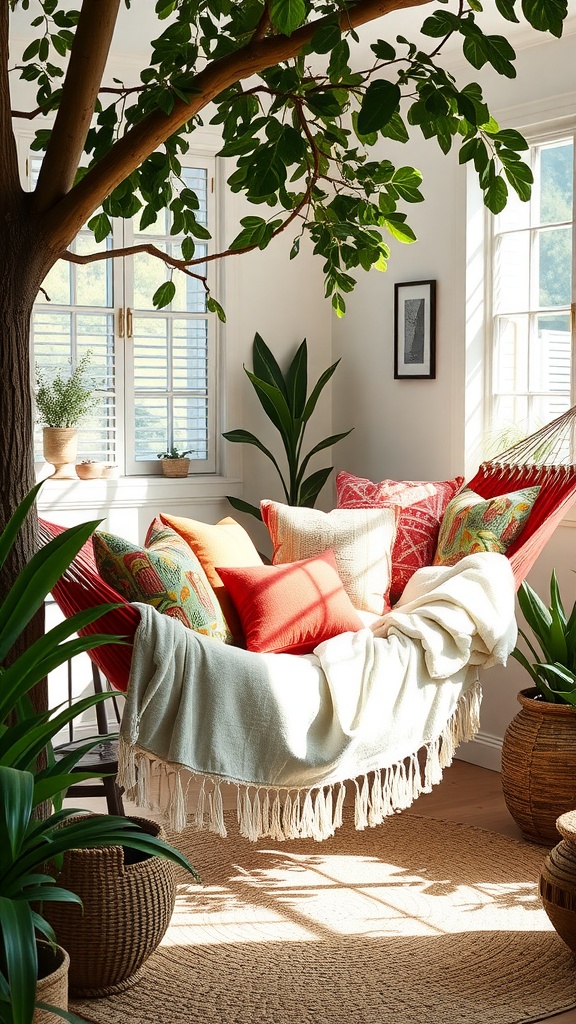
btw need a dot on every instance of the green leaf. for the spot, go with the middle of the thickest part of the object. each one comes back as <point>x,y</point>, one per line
<point>520,177</point>
<point>381,100</point>
<point>537,616</point>
<point>311,487</point>
<point>383,50</point>
<point>14,524</point>
<point>101,225</point>
<point>214,307</point>
<point>245,506</point>
<point>297,381</point>
<point>164,294</point>
<point>496,194</point>
<point>546,15</point>
<point>266,366</point>
<point>287,15</point>
<point>36,580</point>
<point>506,9</point>
<point>16,792</point>
<point>20,957</point>
<point>317,391</point>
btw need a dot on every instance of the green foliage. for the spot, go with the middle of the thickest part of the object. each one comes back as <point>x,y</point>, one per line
<point>553,670</point>
<point>300,132</point>
<point>27,842</point>
<point>64,401</point>
<point>285,400</point>
<point>174,453</point>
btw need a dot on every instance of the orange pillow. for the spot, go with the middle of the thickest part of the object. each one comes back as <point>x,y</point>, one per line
<point>226,543</point>
<point>291,607</point>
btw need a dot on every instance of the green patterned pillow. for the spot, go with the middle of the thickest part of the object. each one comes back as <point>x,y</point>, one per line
<point>472,523</point>
<point>165,573</point>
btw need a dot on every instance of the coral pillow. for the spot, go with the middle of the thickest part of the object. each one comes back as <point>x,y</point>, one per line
<point>422,505</point>
<point>472,523</point>
<point>163,572</point>
<point>226,543</point>
<point>291,608</point>
<point>362,541</point>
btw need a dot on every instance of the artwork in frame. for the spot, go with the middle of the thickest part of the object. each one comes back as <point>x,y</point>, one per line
<point>415,330</point>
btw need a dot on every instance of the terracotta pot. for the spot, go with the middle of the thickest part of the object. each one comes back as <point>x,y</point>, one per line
<point>89,470</point>
<point>52,984</point>
<point>128,899</point>
<point>558,881</point>
<point>60,449</point>
<point>175,467</point>
<point>539,766</point>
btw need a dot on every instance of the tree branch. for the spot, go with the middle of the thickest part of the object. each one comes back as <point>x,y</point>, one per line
<point>8,153</point>
<point>79,94</point>
<point>29,115</point>
<point>67,216</point>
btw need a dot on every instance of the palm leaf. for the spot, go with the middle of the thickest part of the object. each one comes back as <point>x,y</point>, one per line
<point>36,579</point>
<point>21,958</point>
<point>10,531</point>
<point>317,391</point>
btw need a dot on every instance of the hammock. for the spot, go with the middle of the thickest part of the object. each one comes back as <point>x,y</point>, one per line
<point>546,459</point>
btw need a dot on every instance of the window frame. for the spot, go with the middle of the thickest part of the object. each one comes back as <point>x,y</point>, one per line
<point>204,157</point>
<point>535,139</point>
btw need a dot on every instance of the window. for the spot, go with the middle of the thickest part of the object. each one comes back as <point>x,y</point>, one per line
<point>533,294</point>
<point>154,370</point>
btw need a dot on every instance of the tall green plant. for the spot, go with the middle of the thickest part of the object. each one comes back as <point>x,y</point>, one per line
<point>285,400</point>
<point>27,843</point>
<point>554,668</point>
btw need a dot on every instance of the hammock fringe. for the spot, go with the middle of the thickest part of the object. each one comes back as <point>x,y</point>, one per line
<point>265,812</point>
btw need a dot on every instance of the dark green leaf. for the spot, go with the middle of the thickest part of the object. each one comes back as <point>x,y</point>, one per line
<point>287,15</point>
<point>164,294</point>
<point>381,100</point>
<point>245,506</point>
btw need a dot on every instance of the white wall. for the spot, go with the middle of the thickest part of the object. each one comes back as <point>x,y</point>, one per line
<point>415,429</point>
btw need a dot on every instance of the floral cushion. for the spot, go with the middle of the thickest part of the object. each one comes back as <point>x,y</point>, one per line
<point>362,541</point>
<point>472,523</point>
<point>422,505</point>
<point>225,543</point>
<point>291,608</point>
<point>162,572</point>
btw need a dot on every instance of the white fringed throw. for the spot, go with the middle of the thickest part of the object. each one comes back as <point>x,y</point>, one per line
<point>289,730</point>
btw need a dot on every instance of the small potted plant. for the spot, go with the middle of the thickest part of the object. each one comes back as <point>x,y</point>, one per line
<point>175,462</point>
<point>89,469</point>
<point>539,747</point>
<point>62,402</point>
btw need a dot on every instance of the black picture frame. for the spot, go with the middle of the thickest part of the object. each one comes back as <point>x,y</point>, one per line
<point>415,330</point>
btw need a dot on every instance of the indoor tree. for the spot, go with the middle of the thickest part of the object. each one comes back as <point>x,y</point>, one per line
<point>297,114</point>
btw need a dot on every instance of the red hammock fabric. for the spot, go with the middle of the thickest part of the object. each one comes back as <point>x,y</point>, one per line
<point>82,587</point>
<point>557,491</point>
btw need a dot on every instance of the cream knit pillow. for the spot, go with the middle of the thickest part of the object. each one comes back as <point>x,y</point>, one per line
<point>361,538</point>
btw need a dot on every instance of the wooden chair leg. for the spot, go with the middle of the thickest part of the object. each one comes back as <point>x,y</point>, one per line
<point>113,796</point>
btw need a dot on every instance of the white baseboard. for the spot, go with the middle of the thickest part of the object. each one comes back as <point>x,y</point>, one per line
<point>485,750</point>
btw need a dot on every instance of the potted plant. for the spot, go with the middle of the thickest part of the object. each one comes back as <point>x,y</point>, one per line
<point>27,841</point>
<point>62,402</point>
<point>89,469</point>
<point>175,462</point>
<point>284,398</point>
<point>539,747</point>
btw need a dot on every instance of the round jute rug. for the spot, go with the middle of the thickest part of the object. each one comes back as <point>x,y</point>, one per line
<point>413,922</point>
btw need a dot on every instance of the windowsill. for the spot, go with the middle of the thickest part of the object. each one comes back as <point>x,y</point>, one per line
<point>135,491</point>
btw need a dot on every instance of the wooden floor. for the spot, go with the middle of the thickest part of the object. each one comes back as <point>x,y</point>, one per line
<point>468,794</point>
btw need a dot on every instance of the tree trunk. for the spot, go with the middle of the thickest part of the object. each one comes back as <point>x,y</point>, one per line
<point>24,262</point>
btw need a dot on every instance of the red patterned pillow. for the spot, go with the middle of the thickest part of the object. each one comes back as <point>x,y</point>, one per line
<point>422,504</point>
<point>290,607</point>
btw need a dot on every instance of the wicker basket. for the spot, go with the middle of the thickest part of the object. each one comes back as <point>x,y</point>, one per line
<point>128,900</point>
<point>539,766</point>
<point>52,984</point>
<point>175,467</point>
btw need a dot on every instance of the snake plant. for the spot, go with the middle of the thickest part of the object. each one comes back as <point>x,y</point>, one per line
<point>553,670</point>
<point>285,400</point>
<point>28,841</point>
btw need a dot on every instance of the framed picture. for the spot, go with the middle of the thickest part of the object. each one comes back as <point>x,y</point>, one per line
<point>415,330</point>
